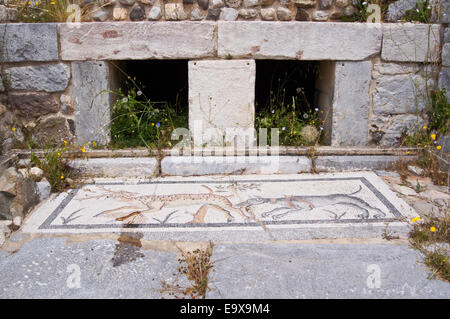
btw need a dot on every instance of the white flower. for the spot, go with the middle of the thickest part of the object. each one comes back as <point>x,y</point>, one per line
<point>283,128</point>
<point>364,3</point>
<point>125,100</point>
<point>316,109</point>
<point>139,93</point>
<point>417,10</point>
<point>305,115</point>
<point>321,128</point>
<point>273,111</point>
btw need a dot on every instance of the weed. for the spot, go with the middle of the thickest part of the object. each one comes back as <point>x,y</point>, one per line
<point>431,236</point>
<point>54,161</point>
<point>420,13</point>
<point>45,10</point>
<point>196,266</point>
<point>297,121</point>
<point>137,121</point>
<point>360,14</point>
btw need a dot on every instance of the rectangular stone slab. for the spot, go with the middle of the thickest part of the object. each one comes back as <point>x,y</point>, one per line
<point>137,40</point>
<point>28,42</point>
<point>221,98</point>
<point>299,40</point>
<point>409,42</point>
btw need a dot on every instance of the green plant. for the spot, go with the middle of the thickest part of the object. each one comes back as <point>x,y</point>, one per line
<point>54,161</point>
<point>439,112</point>
<point>45,10</point>
<point>138,121</point>
<point>429,235</point>
<point>420,13</point>
<point>360,14</point>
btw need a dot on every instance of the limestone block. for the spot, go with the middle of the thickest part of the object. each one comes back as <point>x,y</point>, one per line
<point>299,40</point>
<point>221,97</point>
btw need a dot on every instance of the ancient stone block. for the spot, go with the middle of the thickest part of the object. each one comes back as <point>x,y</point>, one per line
<point>296,40</point>
<point>29,42</point>
<point>49,78</point>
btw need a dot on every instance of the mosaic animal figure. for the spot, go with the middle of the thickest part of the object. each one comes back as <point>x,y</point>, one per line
<point>147,204</point>
<point>299,203</point>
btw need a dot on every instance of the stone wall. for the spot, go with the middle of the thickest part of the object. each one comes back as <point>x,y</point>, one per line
<point>375,77</point>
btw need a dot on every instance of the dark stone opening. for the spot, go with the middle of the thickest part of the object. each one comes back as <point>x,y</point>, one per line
<point>159,80</point>
<point>287,98</point>
<point>274,76</point>
<point>150,101</point>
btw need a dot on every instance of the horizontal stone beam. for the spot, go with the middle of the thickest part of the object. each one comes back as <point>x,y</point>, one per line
<point>137,40</point>
<point>409,42</point>
<point>299,40</point>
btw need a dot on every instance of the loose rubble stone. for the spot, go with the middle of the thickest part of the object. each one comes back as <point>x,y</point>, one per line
<point>342,3</point>
<point>216,4</point>
<point>137,13</point>
<point>155,13</point>
<point>17,194</point>
<point>266,2</point>
<point>302,15</point>
<point>349,11</point>
<point>416,170</point>
<point>36,173</point>
<point>120,14</point>
<point>99,15</point>
<point>127,2</point>
<point>228,14</point>
<point>213,14</point>
<point>404,190</point>
<point>305,3</point>
<point>251,3</point>
<point>325,4</point>
<point>33,105</point>
<point>49,78</point>
<point>397,9</point>
<point>284,14</point>
<point>44,189</point>
<point>320,16</point>
<point>174,11</point>
<point>29,42</point>
<point>51,131</point>
<point>233,3</point>
<point>268,14</point>
<point>196,15</point>
<point>248,13</point>
<point>204,4</point>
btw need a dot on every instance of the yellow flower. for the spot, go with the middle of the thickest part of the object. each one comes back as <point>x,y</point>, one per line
<point>424,127</point>
<point>432,229</point>
<point>153,124</point>
<point>433,136</point>
<point>59,154</point>
<point>83,150</point>
<point>407,152</point>
<point>65,142</point>
<point>13,129</point>
<point>438,147</point>
<point>62,176</point>
<point>417,219</point>
<point>413,220</point>
<point>94,143</point>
